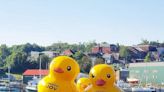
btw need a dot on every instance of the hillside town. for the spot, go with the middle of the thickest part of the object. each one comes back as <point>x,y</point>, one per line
<point>131,63</point>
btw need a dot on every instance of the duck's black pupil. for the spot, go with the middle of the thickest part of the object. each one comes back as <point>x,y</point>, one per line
<point>69,68</point>
<point>93,76</point>
<point>108,75</point>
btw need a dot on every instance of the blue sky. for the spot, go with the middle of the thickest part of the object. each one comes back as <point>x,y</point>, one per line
<point>48,21</point>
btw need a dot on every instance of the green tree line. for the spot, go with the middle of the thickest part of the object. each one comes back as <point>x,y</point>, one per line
<point>18,58</point>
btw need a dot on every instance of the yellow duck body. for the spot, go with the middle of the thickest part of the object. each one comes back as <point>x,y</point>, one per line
<point>47,85</point>
<point>103,89</point>
<point>83,83</point>
<point>103,78</point>
<point>62,73</point>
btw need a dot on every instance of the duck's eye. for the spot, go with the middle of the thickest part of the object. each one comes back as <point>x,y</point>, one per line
<point>92,76</point>
<point>108,75</point>
<point>69,68</point>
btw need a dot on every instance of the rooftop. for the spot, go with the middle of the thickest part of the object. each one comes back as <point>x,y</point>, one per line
<point>35,72</point>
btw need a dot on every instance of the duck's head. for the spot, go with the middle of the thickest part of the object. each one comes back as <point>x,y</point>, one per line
<point>102,75</point>
<point>83,83</point>
<point>64,68</point>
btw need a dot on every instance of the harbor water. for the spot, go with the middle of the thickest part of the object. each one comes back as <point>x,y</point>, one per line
<point>4,89</point>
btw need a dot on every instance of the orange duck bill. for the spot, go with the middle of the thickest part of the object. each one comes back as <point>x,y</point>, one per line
<point>58,70</point>
<point>100,82</point>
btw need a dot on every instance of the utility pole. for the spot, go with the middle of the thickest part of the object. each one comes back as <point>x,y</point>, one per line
<point>40,64</point>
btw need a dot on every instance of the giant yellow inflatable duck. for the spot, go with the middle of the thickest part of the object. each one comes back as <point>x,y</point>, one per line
<point>103,78</point>
<point>83,83</point>
<point>62,73</point>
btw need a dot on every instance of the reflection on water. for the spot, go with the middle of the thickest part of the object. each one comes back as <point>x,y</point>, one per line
<point>30,91</point>
<point>6,89</point>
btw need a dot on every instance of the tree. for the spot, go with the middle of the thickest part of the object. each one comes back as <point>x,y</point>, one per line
<point>59,47</point>
<point>1,62</point>
<point>45,61</point>
<point>4,51</point>
<point>154,43</point>
<point>78,55</point>
<point>10,61</point>
<point>99,61</point>
<point>104,43</point>
<point>123,51</point>
<point>89,45</point>
<point>147,58</point>
<point>84,61</point>
<point>17,62</point>
<point>144,42</point>
<point>86,64</point>
<point>27,48</point>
